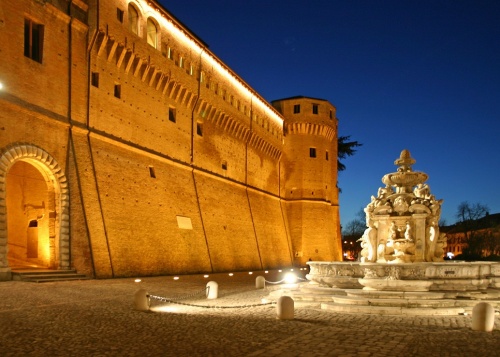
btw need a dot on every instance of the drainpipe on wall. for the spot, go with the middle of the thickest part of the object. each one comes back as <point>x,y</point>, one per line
<point>192,162</point>
<point>89,49</point>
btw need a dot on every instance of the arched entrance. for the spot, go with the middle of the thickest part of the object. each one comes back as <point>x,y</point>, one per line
<point>34,204</point>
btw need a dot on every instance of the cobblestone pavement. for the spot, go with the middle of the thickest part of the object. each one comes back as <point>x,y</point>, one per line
<point>97,318</point>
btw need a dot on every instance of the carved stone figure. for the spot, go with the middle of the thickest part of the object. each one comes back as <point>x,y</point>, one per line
<point>384,192</point>
<point>408,232</point>
<point>369,245</point>
<point>409,213</point>
<point>440,246</point>
<point>422,190</point>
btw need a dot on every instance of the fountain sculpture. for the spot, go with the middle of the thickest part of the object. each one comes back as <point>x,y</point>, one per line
<point>402,268</point>
<point>402,219</point>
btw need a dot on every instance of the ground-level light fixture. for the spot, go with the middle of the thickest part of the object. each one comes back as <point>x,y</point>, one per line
<point>290,278</point>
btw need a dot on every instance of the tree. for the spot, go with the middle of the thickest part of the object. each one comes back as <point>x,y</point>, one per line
<point>345,148</point>
<point>356,227</point>
<point>470,225</point>
<point>469,213</point>
<point>351,233</point>
<point>492,241</point>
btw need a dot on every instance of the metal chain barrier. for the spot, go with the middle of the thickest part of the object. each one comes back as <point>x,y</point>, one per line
<point>163,299</point>
<point>205,291</point>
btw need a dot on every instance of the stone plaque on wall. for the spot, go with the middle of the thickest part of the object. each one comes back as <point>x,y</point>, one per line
<point>184,222</point>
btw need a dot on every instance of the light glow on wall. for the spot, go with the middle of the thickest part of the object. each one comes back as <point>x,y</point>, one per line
<point>211,59</point>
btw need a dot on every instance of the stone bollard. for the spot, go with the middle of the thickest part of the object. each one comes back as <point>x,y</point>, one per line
<point>141,300</point>
<point>483,317</point>
<point>260,282</point>
<point>284,308</point>
<point>212,290</point>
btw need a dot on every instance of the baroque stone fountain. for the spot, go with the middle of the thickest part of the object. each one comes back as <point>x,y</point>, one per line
<point>403,218</point>
<point>402,267</point>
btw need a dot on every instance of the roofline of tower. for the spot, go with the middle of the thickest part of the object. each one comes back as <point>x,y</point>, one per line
<point>298,97</point>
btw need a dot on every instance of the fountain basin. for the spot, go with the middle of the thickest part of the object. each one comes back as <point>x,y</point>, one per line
<point>425,276</point>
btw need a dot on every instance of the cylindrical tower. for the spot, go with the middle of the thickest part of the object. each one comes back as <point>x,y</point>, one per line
<point>309,177</point>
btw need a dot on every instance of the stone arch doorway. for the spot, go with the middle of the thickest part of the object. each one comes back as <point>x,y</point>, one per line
<point>34,206</point>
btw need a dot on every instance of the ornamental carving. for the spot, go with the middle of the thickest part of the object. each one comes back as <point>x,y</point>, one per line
<point>402,219</point>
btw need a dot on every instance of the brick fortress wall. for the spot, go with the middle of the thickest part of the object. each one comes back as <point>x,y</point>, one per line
<point>174,165</point>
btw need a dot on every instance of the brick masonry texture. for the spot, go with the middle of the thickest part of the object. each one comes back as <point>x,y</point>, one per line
<point>157,159</point>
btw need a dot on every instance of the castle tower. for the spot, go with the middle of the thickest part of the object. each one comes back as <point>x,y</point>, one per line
<point>309,177</point>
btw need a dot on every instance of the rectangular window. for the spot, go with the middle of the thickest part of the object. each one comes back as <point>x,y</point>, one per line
<point>152,173</point>
<point>170,53</point>
<point>118,91</point>
<point>296,109</point>
<point>171,114</point>
<point>224,165</point>
<point>119,14</point>
<point>315,109</point>
<point>326,156</point>
<point>312,152</point>
<point>181,62</point>
<point>95,79</point>
<point>33,40</point>
<point>199,129</point>
<point>331,114</point>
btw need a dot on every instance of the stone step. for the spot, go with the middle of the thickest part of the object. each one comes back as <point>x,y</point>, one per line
<point>374,294</point>
<point>391,310</point>
<point>408,303</point>
<point>307,293</point>
<point>388,302</point>
<point>45,275</point>
<point>316,290</point>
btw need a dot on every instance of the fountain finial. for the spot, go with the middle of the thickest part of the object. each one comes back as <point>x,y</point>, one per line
<point>405,178</point>
<point>405,161</point>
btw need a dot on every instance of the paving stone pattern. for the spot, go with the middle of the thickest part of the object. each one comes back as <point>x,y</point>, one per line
<point>97,318</point>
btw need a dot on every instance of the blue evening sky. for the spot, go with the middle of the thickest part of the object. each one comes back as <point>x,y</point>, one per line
<point>418,75</point>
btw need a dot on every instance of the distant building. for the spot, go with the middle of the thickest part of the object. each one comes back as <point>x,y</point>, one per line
<point>128,148</point>
<point>456,244</point>
<point>486,229</point>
